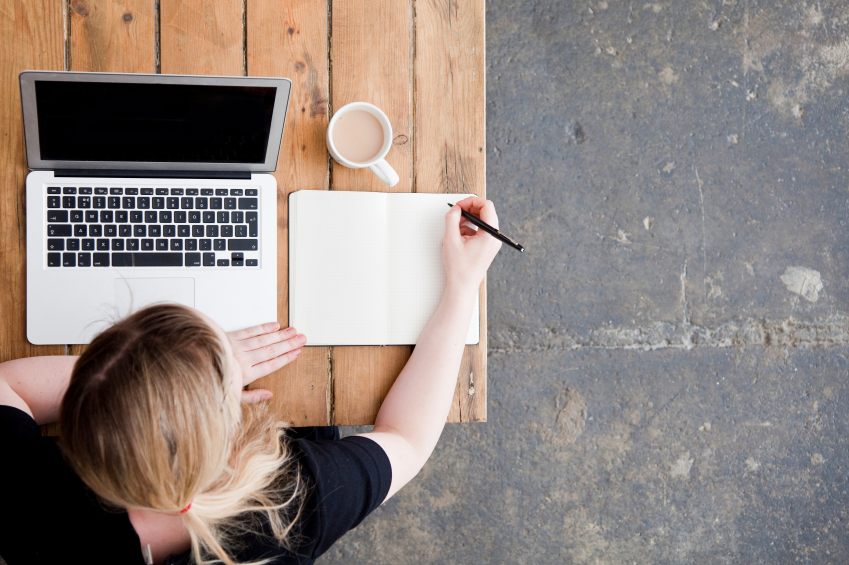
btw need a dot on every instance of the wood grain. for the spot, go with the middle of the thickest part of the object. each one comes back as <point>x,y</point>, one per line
<point>370,53</point>
<point>290,40</point>
<point>201,37</point>
<point>450,126</point>
<point>109,36</point>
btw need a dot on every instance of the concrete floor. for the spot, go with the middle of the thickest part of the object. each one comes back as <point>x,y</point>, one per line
<point>669,358</point>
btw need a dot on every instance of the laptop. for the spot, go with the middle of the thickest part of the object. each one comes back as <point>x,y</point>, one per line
<point>148,189</point>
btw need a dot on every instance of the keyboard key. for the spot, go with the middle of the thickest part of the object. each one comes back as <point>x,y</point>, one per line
<point>173,203</point>
<point>140,230</point>
<point>220,245</point>
<point>215,203</point>
<point>162,192</point>
<point>103,245</point>
<point>150,217</point>
<point>88,245</point>
<point>59,230</point>
<point>100,259</point>
<point>91,216</point>
<point>117,245</point>
<point>242,245</point>
<point>85,190</point>
<point>192,245</point>
<point>154,231</point>
<point>211,231</point>
<point>147,259</point>
<point>132,245</point>
<point>248,203</point>
<point>158,203</point>
<point>179,217</point>
<point>208,217</point>
<point>147,191</point>
<point>229,203</point>
<point>129,202</point>
<point>209,259</point>
<point>143,202</point>
<point>95,231</point>
<point>54,259</point>
<point>116,191</point>
<point>238,262</point>
<point>187,203</point>
<point>147,245</point>
<point>54,202</point>
<point>99,201</point>
<point>126,231</point>
<point>165,217</point>
<point>69,259</point>
<point>176,245</point>
<point>184,231</point>
<point>169,230</point>
<point>237,255</point>
<point>101,190</point>
<point>73,244</point>
<point>191,192</point>
<point>205,244</point>
<point>133,191</point>
<point>121,216</point>
<point>206,192</point>
<point>114,202</point>
<point>69,190</point>
<point>76,216</point>
<point>54,190</point>
<point>57,215</point>
<point>251,192</point>
<point>110,230</point>
<point>252,219</point>
<point>223,217</point>
<point>194,217</point>
<point>106,217</point>
<point>84,202</point>
<point>80,230</point>
<point>197,231</point>
<point>192,259</point>
<point>221,192</point>
<point>136,217</point>
<point>224,262</point>
<point>237,217</point>
<point>252,263</point>
<point>201,203</point>
<point>235,192</point>
<point>84,259</point>
<point>242,231</point>
<point>176,192</point>
<point>56,245</point>
<point>162,245</point>
<point>226,231</point>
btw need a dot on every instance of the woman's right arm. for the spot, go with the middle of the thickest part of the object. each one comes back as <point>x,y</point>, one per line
<point>414,412</point>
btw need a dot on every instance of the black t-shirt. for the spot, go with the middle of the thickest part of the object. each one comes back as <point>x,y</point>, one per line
<point>48,515</point>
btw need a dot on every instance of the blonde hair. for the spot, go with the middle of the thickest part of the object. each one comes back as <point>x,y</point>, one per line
<point>150,421</point>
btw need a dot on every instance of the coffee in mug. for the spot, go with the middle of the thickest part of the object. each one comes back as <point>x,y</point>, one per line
<point>359,135</point>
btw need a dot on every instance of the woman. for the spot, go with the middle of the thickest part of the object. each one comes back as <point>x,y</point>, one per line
<point>151,422</point>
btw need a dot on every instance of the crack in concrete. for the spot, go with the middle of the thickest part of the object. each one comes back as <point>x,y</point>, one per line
<point>827,332</point>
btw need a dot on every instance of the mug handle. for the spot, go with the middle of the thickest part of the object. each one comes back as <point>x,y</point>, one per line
<point>385,172</point>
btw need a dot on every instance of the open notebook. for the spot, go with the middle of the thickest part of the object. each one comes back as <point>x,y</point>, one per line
<point>365,268</point>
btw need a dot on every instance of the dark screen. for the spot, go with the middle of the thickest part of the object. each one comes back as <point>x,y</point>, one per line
<point>100,121</point>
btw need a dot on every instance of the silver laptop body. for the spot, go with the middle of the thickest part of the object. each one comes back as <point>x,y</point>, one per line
<point>148,189</point>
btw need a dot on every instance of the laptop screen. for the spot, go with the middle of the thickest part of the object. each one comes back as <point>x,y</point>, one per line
<point>166,123</point>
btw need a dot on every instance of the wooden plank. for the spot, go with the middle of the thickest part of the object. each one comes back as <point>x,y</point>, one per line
<point>290,40</point>
<point>108,36</point>
<point>370,53</point>
<point>33,39</point>
<point>201,37</point>
<point>450,127</point>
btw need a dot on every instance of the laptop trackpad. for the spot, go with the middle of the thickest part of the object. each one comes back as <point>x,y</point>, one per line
<point>131,295</point>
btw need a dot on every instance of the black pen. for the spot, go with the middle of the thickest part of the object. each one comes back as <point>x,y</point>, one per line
<point>490,230</point>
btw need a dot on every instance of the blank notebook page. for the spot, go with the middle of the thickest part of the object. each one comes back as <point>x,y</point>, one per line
<point>366,268</point>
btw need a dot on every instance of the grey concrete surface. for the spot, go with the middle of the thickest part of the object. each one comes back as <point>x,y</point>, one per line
<point>668,360</point>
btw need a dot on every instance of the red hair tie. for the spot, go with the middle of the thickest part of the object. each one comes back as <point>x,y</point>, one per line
<point>186,509</point>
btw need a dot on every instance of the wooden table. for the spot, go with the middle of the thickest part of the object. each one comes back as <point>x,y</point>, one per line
<point>422,62</point>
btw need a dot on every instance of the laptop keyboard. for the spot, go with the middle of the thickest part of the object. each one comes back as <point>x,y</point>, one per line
<point>152,227</point>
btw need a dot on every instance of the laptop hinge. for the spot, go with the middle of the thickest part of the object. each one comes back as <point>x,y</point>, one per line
<point>125,173</point>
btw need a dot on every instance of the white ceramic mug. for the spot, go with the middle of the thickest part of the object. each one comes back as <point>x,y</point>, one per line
<point>377,165</point>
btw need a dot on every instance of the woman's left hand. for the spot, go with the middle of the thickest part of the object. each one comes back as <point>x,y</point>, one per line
<point>260,351</point>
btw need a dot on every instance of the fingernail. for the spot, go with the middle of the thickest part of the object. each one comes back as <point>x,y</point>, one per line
<point>267,396</point>
<point>298,353</point>
<point>302,339</point>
